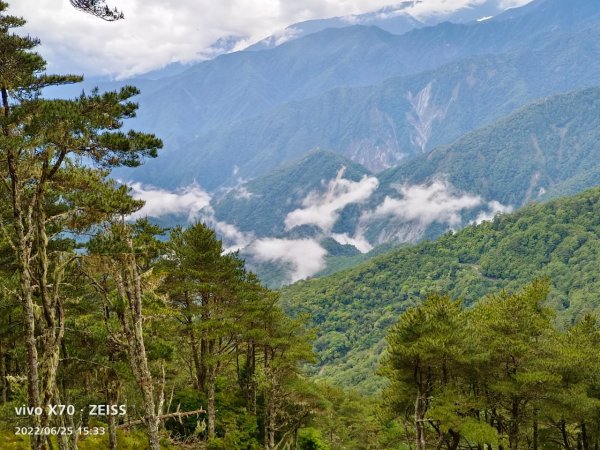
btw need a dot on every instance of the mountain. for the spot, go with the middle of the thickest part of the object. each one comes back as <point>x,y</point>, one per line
<point>396,19</point>
<point>545,149</point>
<point>538,151</point>
<point>261,205</point>
<point>380,125</point>
<point>219,114</point>
<point>352,310</point>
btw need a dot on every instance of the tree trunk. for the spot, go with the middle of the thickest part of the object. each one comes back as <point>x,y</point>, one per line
<point>203,365</point>
<point>420,440</point>
<point>514,426</point>
<point>63,439</point>
<point>112,398</point>
<point>565,436</point>
<point>23,254</point>
<point>54,315</point>
<point>4,394</point>
<point>536,434</point>
<point>455,440</point>
<point>194,344</point>
<point>211,407</point>
<point>584,436</point>
<point>269,425</point>
<point>129,287</point>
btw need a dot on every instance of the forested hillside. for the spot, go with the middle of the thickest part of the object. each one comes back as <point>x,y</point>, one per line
<point>554,140</point>
<point>261,205</point>
<point>352,310</point>
<point>117,333</point>
<point>241,110</point>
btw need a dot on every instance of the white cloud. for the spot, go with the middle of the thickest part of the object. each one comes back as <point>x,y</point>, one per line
<point>242,193</point>
<point>442,7</point>
<point>232,237</point>
<point>323,209</point>
<point>506,4</point>
<point>158,32</point>
<point>494,208</point>
<point>426,204</point>
<point>358,241</point>
<point>189,201</point>
<point>305,256</point>
<point>192,202</point>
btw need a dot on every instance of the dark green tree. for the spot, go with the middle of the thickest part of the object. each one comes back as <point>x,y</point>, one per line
<point>43,143</point>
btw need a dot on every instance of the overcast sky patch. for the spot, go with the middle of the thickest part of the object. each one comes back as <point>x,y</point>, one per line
<point>156,33</point>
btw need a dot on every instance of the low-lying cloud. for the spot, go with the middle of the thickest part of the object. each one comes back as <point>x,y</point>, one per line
<point>305,256</point>
<point>188,201</point>
<point>494,208</point>
<point>191,202</point>
<point>426,204</point>
<point>323,208</point>
<point>358,241</point>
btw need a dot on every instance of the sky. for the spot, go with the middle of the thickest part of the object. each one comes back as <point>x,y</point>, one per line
<point>158,32</point>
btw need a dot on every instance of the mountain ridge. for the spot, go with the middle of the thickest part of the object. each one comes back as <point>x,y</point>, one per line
<point>351,310</point>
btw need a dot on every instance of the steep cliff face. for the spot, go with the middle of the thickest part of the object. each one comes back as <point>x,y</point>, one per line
<point>425,113</point>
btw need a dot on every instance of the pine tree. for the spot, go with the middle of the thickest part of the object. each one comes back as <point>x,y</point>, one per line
<point>427,354</point>
<point>42,145</point>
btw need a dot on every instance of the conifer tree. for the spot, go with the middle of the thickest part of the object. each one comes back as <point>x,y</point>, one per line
<point>42,145</point>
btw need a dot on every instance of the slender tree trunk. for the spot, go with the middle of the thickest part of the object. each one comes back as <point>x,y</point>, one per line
<point>584,436</point>
<point>26,297</point>
<point>455,440</point>
<point>514,426</point>
<point>49,292</point>
<point>129,286</point>
<point>420,440</point>
<point>269,424</point>
<point>63,439</point>
<point>4,394</point>
<point>536,434</point>
<point>23,254</point>
<point>211,407</point>
<point>194,343</point>
<point>251,378</point>
<point>203,364</point>
<point>246,377</point>
<point>565,436</point>
<point>112,398</point>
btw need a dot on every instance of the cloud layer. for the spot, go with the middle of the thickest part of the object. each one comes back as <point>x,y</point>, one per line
<point>323,209</point>
<point>426,204</point>
<point>417,207</point>
<point>305,256</point>
<point>189,201</point>
<point>158,32</point>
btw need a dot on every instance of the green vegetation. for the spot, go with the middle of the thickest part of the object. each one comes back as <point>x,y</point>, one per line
<point>178,339</point>
<point>189,349</point>
<point>498,375</point>
<point>555,141</point>
<point>352,310</point>
<point>263,204</point>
